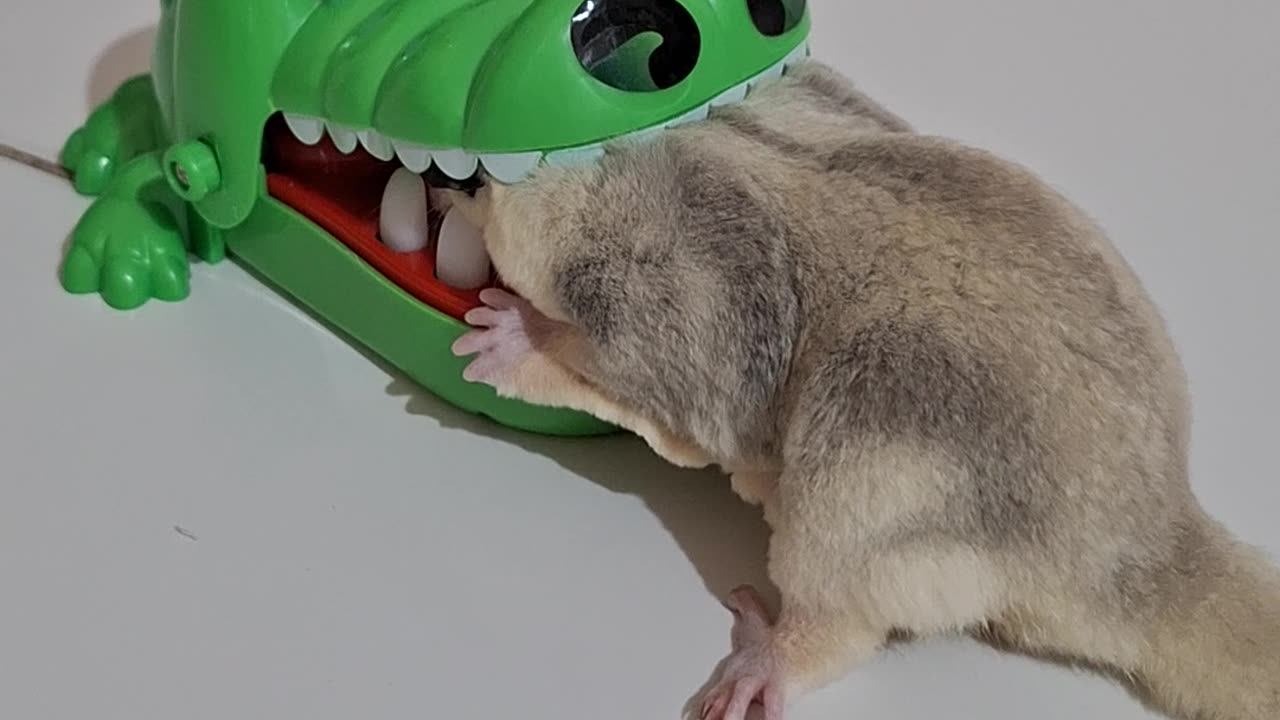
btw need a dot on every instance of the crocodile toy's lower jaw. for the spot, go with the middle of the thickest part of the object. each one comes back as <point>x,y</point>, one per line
<point>342,194</point>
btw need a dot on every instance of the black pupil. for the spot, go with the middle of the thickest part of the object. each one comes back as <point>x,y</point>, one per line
<point>775,17</point>
<point>636,45</point>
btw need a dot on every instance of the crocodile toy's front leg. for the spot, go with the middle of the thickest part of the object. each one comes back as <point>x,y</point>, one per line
<point>129,245</point>
<point>122,128</point>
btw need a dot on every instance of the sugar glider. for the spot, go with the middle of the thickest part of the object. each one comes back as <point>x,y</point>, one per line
<point>954,400</point>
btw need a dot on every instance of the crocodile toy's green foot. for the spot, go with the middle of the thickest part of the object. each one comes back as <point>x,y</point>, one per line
<point>119,130</point>
<point>91,168</point>
<point>128,252</point>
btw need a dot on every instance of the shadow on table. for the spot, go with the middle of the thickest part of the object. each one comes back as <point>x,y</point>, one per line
<point>123,59</point>
<point>724,538</point>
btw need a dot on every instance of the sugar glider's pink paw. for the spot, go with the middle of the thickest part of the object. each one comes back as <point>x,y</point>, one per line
<point>751,672</point>
<point>500,340</point>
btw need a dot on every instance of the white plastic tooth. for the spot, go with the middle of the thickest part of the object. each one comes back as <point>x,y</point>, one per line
<point>572,157</point>
<point>344,138</point>
<point>797,56</point>
<point>731,96</point>
<point>414,157</point>
<point>642,136</point>
<point>510,167</point>
<point>402,218</point>
<point>773,73</point>
<point>457,164</point>
<point>307,129</point>
<point>696,115</point>
<point>461,259</point>
<point>377,145</point>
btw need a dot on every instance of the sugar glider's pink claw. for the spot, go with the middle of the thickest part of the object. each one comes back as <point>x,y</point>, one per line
<point>481,317</point>
<point>500,299</point>
<point>730,700</point>
<point>714,705</point>
<point>772,702</point>
<point>471,343</point>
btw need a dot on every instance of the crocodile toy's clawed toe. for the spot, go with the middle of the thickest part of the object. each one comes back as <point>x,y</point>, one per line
<point>80,273</point>
<point>170,279</point>
<point>91,169</point>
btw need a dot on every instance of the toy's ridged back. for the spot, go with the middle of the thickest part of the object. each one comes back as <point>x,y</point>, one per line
<point>493,75</point>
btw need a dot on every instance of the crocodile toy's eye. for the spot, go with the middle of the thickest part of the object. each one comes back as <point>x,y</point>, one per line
<point>776,17</point>
<point>636,45</point>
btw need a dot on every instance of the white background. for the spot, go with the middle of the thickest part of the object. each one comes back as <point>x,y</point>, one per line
<point>363,551</point>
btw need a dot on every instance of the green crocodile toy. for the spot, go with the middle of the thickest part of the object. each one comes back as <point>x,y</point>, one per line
<point>281,131</point>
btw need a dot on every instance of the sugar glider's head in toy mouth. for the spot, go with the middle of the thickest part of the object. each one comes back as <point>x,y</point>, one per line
<point>378,102</point>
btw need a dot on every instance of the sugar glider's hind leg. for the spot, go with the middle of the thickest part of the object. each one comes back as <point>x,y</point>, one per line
<point>822,629</point>
<point>813,641</point>
<point>525,355</point>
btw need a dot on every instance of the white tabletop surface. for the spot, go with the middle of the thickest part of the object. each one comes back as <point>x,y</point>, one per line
<point>358,550</point>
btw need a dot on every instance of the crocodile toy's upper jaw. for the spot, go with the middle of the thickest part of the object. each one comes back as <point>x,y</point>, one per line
<point>462,163</point>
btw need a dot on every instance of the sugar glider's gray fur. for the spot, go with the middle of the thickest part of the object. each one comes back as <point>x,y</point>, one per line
<point>954,399</point>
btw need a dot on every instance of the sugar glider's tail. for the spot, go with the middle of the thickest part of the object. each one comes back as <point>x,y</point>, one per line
<point>1215,653</point>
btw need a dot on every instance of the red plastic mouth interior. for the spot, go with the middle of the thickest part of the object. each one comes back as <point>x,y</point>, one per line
<point>342,193</point>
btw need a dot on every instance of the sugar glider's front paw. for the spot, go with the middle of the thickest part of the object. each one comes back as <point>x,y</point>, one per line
<point>501,340</point>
